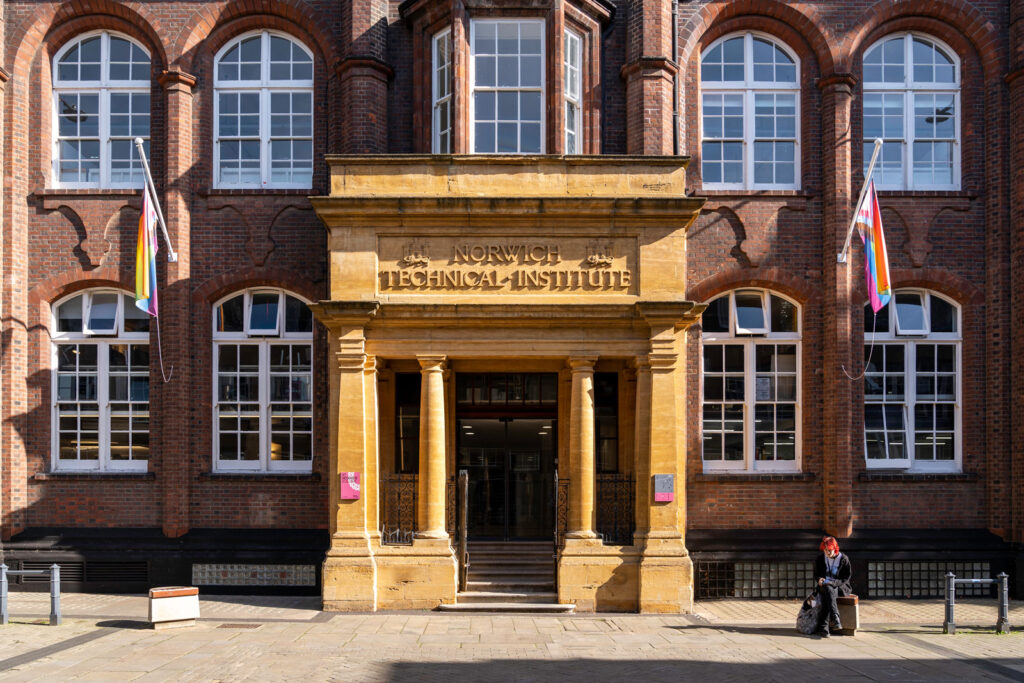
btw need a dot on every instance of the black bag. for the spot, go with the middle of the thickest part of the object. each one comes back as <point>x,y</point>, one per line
<point>807,619</point>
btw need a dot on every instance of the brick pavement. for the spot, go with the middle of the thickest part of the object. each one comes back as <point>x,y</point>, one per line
<point>243,638</point>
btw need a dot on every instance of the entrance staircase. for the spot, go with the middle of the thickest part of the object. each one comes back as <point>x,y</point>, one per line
<point>516,577</point>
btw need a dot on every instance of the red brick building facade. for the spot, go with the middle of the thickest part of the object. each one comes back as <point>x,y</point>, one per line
<point>773,101</point>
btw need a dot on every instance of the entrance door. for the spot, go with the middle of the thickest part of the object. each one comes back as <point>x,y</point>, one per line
<point>511,465</point>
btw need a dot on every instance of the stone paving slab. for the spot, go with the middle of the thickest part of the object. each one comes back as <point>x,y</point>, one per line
<point>105,638</point>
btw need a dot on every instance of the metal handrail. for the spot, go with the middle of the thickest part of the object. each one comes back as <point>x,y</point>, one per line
<point>1002,621</point>
<point>53,572</point>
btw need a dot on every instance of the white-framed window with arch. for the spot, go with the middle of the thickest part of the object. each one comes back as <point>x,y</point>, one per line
<point>101,103</point>
<point>750,114</point>
<point>263,382</point>
<point>100,387</point>
<point>912,383</point>
<point>750,382</point>
<point>263,113</point>
<point>912,102</point>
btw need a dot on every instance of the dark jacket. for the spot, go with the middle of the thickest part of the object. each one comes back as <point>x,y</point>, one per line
<point>842,576</point>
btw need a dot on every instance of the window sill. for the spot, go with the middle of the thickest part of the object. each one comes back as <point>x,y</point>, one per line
<point>724,477</point>
<point>889,475</point>
<point>93,476</point>
<point>767,194</point>
<point>261,476</point>
<point>89,192</point>
<point>256,191</point>
<point>924,194</point>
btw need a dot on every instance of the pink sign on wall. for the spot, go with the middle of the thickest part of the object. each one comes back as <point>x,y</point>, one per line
<point>349,485</point>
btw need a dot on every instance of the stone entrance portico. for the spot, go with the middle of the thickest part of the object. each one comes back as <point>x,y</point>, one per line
<point>443,265</point>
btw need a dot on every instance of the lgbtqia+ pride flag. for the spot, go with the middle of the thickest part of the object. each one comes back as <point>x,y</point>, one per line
<point>876,258</point>
<point>145,257</point>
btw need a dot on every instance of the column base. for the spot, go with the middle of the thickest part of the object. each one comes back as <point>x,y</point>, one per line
<point>349,577</point>
<point>596,577</point>
<point>418,576</point>
<point>666,577</point>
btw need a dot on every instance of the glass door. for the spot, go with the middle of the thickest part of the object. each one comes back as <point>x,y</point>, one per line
<point>511,463</point>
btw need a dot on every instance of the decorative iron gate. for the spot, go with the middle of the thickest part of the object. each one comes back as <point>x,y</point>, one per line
<point>616,496</point>
<point>398,493</point>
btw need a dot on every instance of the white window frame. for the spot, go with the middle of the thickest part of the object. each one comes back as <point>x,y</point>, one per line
<point>264,465</point>
<point>102,341</point>
<point>472,82</point>
<point>908,89</point>
<point>750,342</point>
<point>910,341</point>
<point>439,72</point>
<point>573,106</point>
<point>749,89</point>
<point>264,87</point>
<point>103,88</point>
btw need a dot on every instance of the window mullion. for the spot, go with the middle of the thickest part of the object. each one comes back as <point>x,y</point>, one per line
<point>103,397</point>
<point>749,394</point>
<point>748,136</point>
<point>264,133</point>
<point>910,398</point>
<point>264,394</point>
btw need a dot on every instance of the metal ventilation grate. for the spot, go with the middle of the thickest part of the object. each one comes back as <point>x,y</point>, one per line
<point>69,571</point>
<point>117,572</point>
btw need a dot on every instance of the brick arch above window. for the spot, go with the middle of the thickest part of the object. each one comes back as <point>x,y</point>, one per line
<point>774,279</point>
<point>214,25</point>
<point>238,279</point>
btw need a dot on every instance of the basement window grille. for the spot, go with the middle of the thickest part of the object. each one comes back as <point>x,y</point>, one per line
<point>925,579</point>
<point>753,580</point>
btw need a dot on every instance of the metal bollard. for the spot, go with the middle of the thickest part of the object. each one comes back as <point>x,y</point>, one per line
<point>55,595</point>
<point>1003,623</point>
<point>949,625</point>
<point>3,594</point>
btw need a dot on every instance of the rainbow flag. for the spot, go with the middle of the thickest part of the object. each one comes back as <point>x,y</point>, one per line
<point>876,258</point>
<point>145,257</point>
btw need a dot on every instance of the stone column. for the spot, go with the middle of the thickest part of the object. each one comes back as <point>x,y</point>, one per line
<point>842,340</point>
<point>581,449</point>
<point>175,399</point>
<point>350,570</point>
<point>433,463</point>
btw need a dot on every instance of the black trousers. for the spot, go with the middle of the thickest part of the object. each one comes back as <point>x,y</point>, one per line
<point>829,605</point>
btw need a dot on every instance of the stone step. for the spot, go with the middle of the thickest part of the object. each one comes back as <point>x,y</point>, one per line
<point>498,574</point>
<point>512,547</point>
<point>475,597</point>
<point>511,557</point>
<point>509,608</point>
<point>507,584</point>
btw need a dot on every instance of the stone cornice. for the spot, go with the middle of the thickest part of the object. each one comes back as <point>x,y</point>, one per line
<point>345,313</point>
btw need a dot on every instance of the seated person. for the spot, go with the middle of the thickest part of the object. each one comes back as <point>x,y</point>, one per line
<point>832,571</point>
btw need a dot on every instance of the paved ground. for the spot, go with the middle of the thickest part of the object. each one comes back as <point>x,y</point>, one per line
<point>274,638</point>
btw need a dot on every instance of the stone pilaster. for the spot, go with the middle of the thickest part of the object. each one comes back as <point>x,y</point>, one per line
<point>350,571</point>
<point>581,449</point>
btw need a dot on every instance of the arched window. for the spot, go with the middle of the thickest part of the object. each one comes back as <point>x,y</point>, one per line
<point>751,382</point>
<point>750,114</point>
<point>912,383</point>
<point>912,102</point>
<point>263,376</point>
<point>264,113</point>
<point>100,383</point>
<point>101,85</point>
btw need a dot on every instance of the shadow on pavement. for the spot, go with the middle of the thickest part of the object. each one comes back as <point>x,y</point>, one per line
<point>124,623</point>
<point>675,670</point>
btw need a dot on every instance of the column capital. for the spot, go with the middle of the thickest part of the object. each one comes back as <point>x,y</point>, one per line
<point>581,363</point>
<point>641,363</point>
<point>431,363</point>
<point>177,81</point>
<point>837,82</point>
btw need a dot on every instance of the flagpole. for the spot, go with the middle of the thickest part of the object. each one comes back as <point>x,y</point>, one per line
<point>172,256</point>
<point>841,256</point>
